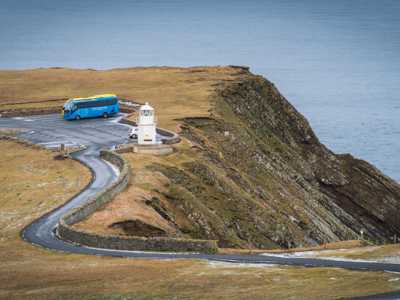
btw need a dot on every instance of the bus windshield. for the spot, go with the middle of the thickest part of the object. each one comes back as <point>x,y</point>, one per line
<point>68,106</point>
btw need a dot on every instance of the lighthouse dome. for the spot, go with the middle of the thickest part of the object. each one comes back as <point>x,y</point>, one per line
<point>146,114</point>
<point>146,106</point>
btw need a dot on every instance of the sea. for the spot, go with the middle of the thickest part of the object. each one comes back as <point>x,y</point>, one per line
<point>337,62</point>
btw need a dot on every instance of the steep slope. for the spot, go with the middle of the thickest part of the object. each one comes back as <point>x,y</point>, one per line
<point>263,179</point>
<point>252,173</point>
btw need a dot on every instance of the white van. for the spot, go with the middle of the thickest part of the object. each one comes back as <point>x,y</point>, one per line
<point>134,133</point>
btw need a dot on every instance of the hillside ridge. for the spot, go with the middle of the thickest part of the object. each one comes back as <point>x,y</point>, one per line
<point>261,177</point>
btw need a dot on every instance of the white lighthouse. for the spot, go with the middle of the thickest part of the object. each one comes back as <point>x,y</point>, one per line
<point>146,125</point>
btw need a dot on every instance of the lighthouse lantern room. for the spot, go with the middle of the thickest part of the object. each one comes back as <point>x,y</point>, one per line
<point>146,125</point>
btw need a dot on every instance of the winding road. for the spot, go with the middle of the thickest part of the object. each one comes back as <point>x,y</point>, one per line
<point>95,134</point>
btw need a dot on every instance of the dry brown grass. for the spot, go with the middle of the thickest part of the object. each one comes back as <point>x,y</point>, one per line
<point>71,275</point>
<point>353,249</point>
<point>130,204</point>
<point>33,183</point>
<point>350,244</point>
<point>174,92</point>
<point>11,131</point>
<point>390,253</point>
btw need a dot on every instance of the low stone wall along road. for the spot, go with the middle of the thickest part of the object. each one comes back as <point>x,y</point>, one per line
<point>98,134</point>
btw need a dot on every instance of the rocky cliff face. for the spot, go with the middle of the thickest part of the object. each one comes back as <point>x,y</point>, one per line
<point>261,178</point>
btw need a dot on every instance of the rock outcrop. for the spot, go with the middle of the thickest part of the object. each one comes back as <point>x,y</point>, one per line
<point>263,179</point>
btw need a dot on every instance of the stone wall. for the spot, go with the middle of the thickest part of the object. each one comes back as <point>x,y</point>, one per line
<point>162,149</point>
<point>173,138</point>
<point>100,199</point>
<point>126,109</point>
<point>29,111</point>
<point>136,243</point>
<point>66,232</point>
<point>128,122</point>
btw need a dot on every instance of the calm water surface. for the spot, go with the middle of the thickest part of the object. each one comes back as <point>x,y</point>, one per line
<point>338,61</point>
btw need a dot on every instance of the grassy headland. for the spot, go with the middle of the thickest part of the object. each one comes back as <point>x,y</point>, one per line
<point>174,92</point>
<point>33,183</point>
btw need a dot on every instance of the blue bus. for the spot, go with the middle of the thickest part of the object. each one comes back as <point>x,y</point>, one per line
<point>91,107</point>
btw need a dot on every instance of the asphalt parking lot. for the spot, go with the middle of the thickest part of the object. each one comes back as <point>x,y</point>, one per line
<point>52,130</point>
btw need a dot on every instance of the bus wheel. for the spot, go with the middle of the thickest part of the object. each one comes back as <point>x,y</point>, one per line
<point>78,117</point>
<point>105,115</point>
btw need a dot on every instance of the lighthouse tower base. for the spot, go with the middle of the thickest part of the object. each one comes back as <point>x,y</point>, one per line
<point>147,134</point>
